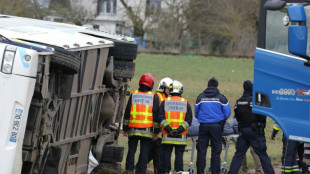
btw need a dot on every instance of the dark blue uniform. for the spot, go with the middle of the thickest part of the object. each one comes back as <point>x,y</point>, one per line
<point>211,110</point>
<point>251,132</point>
<point>289,153</point>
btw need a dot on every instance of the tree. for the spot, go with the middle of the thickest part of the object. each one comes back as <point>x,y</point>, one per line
<point>73,12</point>
<point>79,15</point>
<point>25,8</point>
<point>141,19</point>
<point>172,24</point>
<point>228,26</point>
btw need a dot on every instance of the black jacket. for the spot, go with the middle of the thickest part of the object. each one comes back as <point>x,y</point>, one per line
<point>243,111</point>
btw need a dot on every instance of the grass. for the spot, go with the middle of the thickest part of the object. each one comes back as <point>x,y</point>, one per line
<point>194,72</point>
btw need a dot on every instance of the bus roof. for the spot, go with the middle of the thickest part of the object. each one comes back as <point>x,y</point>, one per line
<point>69,37</point>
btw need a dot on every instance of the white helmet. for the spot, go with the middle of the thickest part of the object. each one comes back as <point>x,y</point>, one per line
<point>164,83</point>
<point>176,87</point>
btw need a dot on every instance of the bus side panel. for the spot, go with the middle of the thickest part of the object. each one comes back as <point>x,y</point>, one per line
<point>284,81</point>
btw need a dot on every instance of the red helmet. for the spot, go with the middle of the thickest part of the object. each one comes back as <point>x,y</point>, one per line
<point>147,79</point>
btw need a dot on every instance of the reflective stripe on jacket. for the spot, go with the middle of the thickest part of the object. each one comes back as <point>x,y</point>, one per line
<point>146,132</point>
<point>161,96</point>
<point>290,169</point>
<point>179,140</point>
<point>141,111</point>
<point>175,112</point>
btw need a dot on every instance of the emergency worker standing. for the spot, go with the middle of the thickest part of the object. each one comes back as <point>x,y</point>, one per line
<point>306,158</point>
<point>251,132</point>
<point>140,116</point>
<point>155,151</point>
<point>302,165</point>
<point>175,115</point>
<point>289,153</point>
<point>212,109</point>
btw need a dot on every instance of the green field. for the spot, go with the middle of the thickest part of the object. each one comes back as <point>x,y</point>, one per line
<point>194,72</point>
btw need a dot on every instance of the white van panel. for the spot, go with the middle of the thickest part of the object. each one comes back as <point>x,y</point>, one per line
<point>66,36</point>
<point>22,65</point>
<point>16,93</point>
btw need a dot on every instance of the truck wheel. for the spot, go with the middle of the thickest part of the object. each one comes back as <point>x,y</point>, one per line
<point>68,61</point>
<point>124,69</point>
<point>112,153</point>
<point>123,50</point>
<point>52,161</point>
<point>112,168</point>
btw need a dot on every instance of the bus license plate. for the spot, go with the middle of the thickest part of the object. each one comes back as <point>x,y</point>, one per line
<point>16,124</point>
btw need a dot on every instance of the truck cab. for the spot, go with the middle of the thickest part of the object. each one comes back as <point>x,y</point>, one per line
<point>282,67</point>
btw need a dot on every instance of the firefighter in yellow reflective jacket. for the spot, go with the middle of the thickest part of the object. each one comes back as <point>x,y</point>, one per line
<point>175,115</point>
<point>140,116</point>
<point>162,92</point>
<point>289,153</point>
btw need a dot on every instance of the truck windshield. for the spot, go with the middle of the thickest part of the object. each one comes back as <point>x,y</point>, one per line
<point>277,32</point>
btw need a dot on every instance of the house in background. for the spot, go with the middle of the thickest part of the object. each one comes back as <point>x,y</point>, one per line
<point>107,15</point>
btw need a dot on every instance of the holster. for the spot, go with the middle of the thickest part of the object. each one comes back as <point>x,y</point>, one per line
<point>259,127</point>
<point>254,126</point>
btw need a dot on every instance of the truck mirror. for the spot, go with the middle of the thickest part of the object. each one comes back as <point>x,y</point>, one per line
<point>297,40</point>
<point>274,5</point>
<point>298,34</point>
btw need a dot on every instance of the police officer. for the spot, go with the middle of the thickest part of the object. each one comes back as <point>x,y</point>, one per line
<point>212,109</point>
<point>175,116</point>
<point>140,116</point>
<point>251,132</point>
<point>154,154</point>
<point>289,153</point>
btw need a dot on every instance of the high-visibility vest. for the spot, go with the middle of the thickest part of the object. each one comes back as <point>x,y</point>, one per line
<point>175,112</point>
<point>141,111</point>
<point>161,96</point>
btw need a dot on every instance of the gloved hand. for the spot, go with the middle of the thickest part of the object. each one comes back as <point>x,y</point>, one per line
<point>274,133</point>
<point>180,129</point>
<point>168,129</point>
<point>174,132</point>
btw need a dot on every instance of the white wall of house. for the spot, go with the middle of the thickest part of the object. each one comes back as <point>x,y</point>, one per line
<point>110,15</point>
<point>89,5</point>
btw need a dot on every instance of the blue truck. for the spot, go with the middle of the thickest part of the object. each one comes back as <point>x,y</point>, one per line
<point>282,66</point>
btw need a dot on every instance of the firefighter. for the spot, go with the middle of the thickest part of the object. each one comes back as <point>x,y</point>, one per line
<point>163,88</point>
<point>302,165</point>
<point>212,109</point>
<point>306,158</point>
<point>289,153</point>
<point>175,115</point>
<point>141,115</point>
<point>154,154</point>
<point>251,133</point>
